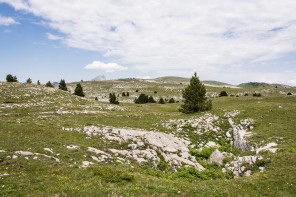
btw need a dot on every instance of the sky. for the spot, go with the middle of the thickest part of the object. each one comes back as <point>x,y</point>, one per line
<point>229,41</point>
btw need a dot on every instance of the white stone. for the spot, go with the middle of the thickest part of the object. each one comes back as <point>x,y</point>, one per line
<point>71,147</point>
<point>24,153</point>
<point>268,148</point>
<point>247,173</point>
<point>217,157</point>
<point>48,149</point>
<point>212,144</point>
<point>86,164</point>
<point>132,146</point>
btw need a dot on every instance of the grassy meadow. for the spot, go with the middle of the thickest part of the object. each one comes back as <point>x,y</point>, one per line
<point>37,119</point>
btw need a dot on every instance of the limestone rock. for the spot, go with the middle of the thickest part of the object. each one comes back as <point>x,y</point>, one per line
<point>217,157</point>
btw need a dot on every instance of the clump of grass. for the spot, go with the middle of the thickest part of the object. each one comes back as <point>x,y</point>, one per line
<point>112,174</point>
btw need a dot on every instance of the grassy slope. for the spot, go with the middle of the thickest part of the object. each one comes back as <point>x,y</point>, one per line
<point>35,127</point>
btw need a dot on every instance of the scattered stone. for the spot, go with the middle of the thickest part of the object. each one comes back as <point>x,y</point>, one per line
<point>167,144</point>
<point>211,144</point>
<point>247,173</point>
<point>24,153</point>
<point>71,147</point>
<point>268,148</point>
<point>48,149</point>
<point>217,157</point>
<point>2,151</point>
<point>86,164</point>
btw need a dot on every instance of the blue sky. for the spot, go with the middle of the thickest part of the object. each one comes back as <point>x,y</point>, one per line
<point>232,42</point>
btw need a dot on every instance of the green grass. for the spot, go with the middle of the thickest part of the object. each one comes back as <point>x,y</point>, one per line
<point>29,122</point>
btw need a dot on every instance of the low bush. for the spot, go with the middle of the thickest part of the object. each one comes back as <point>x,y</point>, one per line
<point>172,100</point>
<point>112,174</point>
<point>223,93</point>
<point>161,101</point>
<point>257,94</point>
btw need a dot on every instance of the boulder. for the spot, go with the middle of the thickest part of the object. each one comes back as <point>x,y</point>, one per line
<point>217,157</point>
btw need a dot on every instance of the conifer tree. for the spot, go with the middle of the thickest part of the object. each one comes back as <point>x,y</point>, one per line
<point>195,97</point>
<point>62,85</point>
<point>10,78</point>
<point>29,80</point>
<point>48,84</point>
<point>38,82</point>
<point>113,99</point>
<point>79,90</point>
<point>161,101</point>
<point>151,99</point>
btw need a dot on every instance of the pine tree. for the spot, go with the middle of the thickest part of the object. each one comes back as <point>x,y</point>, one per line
<point>79,90</point>
<point>161,101</point>
<point>62,85</point>
<point>172,100</point>
<point>29,80</point>
<point>113,99</point>
<point>151,99</point>
<point>10,78</point>
<point>38,82</point>
<point>48,84</point>
<point>195,97</point>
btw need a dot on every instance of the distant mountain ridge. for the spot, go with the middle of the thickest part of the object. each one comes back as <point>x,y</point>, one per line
<point>173,79</point>
<point>262,84</point>
<point>99,78</point>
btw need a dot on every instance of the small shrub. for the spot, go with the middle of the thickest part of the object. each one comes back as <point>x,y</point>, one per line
<point>123,94</point>
<point>96,98</point>
<point>38,82</point>
<point>137,90</point>
<point>142,99</point>
<point>161,101</point>
<point>155,92</point>
<point>257,94</point>
<point>113,99</point>
<point>49,84</point>
<point>289,93</point>
<point>223,93</point>
<point>151,99</point>
<point>127,94</point>
<point>172,100</point>
<point>246,94</point>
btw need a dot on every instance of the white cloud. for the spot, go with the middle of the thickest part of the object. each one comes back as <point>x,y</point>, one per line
<point>161,36</point>
<point>53,37</point>
<point>7,21</point>
<point>109,67</point>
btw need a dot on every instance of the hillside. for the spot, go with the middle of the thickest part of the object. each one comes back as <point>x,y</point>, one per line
<point>262,84</point>
<point>53,143</point>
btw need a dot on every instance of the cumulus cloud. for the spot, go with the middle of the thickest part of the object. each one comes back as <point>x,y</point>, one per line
<point>7,21</point>
<point>109,67</point>
<point>173,36</point>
